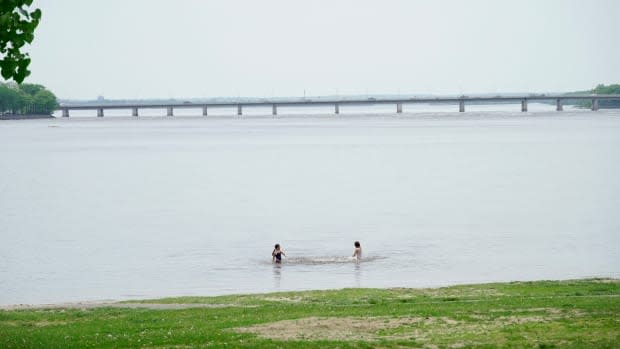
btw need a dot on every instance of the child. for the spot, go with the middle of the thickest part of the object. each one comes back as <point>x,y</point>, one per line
<point>357,253</point>
<point>276,255</point>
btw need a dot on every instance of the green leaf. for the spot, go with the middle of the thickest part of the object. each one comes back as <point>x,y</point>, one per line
<point>36,15</point>
<point>6,72</point>
<point>17,26</point>
<point>28,37</point>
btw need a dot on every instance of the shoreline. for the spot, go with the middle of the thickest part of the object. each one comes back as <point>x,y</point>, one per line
<point>153,303</point>
<point>26,117</point>
<point>529,314</point>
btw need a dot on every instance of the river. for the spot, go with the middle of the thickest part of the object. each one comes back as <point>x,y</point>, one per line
<point>120,208</point>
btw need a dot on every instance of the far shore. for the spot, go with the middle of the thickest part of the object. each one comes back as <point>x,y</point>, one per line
<point>25,117</point>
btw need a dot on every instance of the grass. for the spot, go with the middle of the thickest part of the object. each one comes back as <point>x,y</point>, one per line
<point>544,314</point>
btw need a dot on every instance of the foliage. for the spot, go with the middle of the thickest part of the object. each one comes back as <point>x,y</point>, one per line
<point>567,314</point>
<point>600,89</point>
<point>31,89</point>
<point>18,25</point>
<point>613,89</point>
<point>10,99</point>
<point>26,99</point>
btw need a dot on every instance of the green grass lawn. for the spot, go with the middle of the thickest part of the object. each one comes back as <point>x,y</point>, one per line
<point>545,314</point>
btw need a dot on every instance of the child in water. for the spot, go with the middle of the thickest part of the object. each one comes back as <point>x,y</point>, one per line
<point>357,253</point>
<point>276,255</point>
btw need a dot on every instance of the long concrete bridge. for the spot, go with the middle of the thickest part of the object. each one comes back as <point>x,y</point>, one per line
<point>398,102</point>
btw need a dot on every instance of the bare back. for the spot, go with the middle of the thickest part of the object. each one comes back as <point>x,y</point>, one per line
<point>357,253</point>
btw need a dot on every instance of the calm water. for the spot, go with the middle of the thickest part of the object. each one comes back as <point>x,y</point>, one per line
<point>120,208</point>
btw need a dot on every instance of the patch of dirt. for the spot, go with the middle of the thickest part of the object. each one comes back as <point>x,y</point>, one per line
<point>511,320</point>
<point>526,315</point>
<point>339,328</point>
<point>43,323</point>
<point>46,323</point>
<point>606,281</point>
<point>422,329</point>
<point>10,323</point>
<point>551,313</point>
<point>284,299</point>
<point>465,293</point>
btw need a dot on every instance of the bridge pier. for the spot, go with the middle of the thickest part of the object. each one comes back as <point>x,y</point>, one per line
<point>274,109</point>
<point>594,104</point>
<point>399,108</point>
<point>239,110</point>
<point>169,111</point>
<point>100,112</point>
<point>461,106</point>
<point>558,105</point>
<point>336,108</point>
<point>134,112</point>
<point>65,112</point>
<point>204,110</point>
<point>524,105</point>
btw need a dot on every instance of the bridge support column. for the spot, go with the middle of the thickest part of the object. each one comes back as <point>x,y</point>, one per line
<point>336,108</point>
<point>169,111</point>
<point>461,106</point>
<point>100,112</point>
<point>274,109</point>
<point>594,104</point>
<point>134,112</point>
<point>558,105</point>
<point>524,105</point>
<point>239,109</point>
<point>399,108</point>
<point>65,113</point>
<point>204,110</point>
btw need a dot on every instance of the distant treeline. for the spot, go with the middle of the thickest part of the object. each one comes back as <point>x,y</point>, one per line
<point>601,89</point>
<point>26,99</point>
<point>613,89</point>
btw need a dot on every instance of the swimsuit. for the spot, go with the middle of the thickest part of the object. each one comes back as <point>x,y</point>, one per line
<point>278,257</point>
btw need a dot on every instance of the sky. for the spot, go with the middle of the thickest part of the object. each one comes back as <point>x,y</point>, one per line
<point>270,48</point>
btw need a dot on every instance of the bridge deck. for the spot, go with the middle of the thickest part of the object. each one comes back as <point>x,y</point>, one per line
<point>559,99</point>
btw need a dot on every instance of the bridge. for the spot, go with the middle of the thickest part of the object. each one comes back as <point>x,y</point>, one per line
<point>559,101</point>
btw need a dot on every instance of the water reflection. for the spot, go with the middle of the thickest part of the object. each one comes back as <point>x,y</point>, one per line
<point>357,271</point>
<point>277,275</point>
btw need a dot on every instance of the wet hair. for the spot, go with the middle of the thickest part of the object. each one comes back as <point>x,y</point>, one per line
<point>357,244</point>
<point>277,246</point>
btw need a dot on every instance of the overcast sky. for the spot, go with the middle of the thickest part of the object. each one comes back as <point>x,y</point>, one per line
<point>162,49</point>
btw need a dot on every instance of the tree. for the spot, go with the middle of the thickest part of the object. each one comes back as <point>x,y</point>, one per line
<point>601,89</point>
<point>612,89</point>
<point>26,99</point>
<point>31,89</point>
<point>10,100</point>
<point>17,26</point>
<point>44,102</point>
